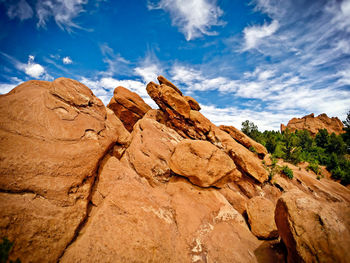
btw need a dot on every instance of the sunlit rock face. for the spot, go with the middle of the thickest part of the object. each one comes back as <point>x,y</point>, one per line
<point>80,182</point>
<point>314,124</point>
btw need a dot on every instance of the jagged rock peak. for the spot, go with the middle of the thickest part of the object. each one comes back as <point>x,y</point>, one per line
<point>191,124</point>
<point>314,124</point>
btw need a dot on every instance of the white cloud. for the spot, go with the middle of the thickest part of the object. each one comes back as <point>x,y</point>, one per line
<point>67,60</point>
<point>255,34</point>
<point>193,17</point>
<point>21,9</point>
<point>148,73</point>
<point>33,69</point>
<point>194,80</point>
<point>62,11</point>
<point>149,68</point>
<point>234,116</point>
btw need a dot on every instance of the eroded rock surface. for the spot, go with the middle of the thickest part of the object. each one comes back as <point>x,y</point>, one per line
<point>76,186</point>
<point>314,124</point>
<point>313,230</point>
<point>52,137</point>
<point>203,163</point>
<point>132,221</point>
<point>261,216</point>
<point>128,106</point>
<point>245,140</point>
<point>151,147</point>
<point>189,123</point>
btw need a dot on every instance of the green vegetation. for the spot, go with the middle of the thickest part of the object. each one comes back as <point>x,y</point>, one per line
<point>287,171</point>
<point>330,150</point>
<point>5,249</point>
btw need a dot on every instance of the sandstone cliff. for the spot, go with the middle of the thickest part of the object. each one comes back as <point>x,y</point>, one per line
<point>314,124</point>
<point>80,182</point>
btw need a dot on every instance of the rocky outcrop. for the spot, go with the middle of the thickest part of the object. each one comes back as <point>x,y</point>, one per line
<point>76,186</point>
<point>132,221</point>
<point>245,140</point>
<point>314,124</point>
<point>52,137</point>
<point>128,107</point>
<point>313,230</point>
<point>151,147</point>
<point>202,163</point>
<point>261,217</point>
<point>191,124</point>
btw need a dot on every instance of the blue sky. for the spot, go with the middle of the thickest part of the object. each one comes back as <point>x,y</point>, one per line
<point>263,60</point>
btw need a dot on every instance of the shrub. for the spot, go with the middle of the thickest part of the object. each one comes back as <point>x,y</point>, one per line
<point>287,171</point>
<point>314,167</point>
<point>252,149</point>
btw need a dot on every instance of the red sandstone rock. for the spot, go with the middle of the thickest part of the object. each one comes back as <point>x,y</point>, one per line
<point>128,106</point>
<point>193,103</point>
<point>52,136</point>
<point>150,150</point>
<point>313,230</point>
<point>192,124</point>
<point>134,222</point>
<point>245,140</point>
<point>261,214</point>
<point>314,124</point>
<point>202,163</point>
<point>65,195</point>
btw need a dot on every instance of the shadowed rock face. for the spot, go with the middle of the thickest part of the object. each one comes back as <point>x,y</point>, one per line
<point>314,124</point>
<point>76,186</point>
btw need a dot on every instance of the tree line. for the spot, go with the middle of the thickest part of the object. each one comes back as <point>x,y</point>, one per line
<point>330,150</point>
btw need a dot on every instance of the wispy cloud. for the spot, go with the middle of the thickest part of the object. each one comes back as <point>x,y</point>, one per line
<point>63,12</point>
<point>194,18</point>
<point>253,35</point>
<point>21,10</point>
<point>115,62</point>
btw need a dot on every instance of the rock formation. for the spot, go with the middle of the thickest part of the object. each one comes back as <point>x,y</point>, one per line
<point>261,214</point>
<point>128,107</point>
<point>314,124</point>
<point>76,186</point>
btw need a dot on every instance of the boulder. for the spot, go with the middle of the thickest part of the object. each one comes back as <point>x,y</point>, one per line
<point>151,147</point>
<point>261,214</point>
<point>314,124</point>
<point>313,230</point>
<point>52,138</point>
<point>202,163</point>
<point>128,106</point>
<point>245,140</point>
